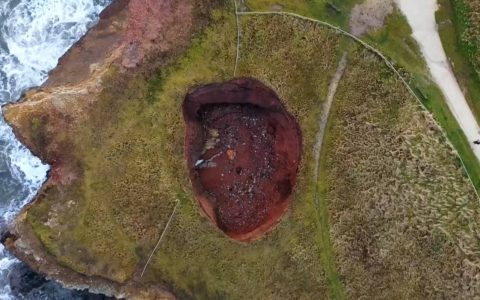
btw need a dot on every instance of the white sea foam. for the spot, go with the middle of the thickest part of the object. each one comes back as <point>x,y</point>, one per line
<point>24,168</point>
<point>37,33</point>
<point>33,36</point>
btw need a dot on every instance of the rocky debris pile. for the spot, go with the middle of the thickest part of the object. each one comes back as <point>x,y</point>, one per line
<point>243,151</point>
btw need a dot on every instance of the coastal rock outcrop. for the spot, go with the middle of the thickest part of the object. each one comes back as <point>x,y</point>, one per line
<point>118,214</point>
<point>132,39</point>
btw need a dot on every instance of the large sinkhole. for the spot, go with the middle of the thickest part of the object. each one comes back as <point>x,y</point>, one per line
<point>243,151</point>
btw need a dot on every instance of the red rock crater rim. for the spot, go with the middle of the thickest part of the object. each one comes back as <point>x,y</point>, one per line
<point>243,151</point>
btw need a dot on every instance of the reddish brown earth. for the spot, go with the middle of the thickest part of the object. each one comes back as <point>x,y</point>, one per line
<point>243,151</point>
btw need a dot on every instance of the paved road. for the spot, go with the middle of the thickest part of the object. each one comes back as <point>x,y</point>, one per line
<point>421,17</point>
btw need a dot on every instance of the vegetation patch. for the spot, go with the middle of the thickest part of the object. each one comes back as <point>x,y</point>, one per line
<point>467,24</point>
<point>134,172</point>
<point>392,215</point>
<point>336,12</point>
<point>450,29</point>
<point>396,196</point>
<point>396,42</point>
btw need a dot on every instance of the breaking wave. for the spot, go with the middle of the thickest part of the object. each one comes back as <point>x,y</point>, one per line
<point>34,34</point>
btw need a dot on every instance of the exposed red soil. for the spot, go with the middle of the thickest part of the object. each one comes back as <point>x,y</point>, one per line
<point>129,34</point>
<point>140,28</point>
<point>243,151</point>
<point>154,27</point>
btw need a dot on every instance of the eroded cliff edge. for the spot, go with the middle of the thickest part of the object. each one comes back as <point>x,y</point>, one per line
<point>390,194</point>
<point>132,40</point>
<point>109,121</point>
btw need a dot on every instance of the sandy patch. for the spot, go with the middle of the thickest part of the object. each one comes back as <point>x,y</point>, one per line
<point>369,15</point>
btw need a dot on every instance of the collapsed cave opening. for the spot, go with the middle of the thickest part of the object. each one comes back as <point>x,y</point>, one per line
<point>243,151</point>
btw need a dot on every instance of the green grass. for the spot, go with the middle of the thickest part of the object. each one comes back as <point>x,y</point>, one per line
<point>450,31</point>
<point>396,195</point>
<point>325,10</point>
<point>134,171</point>
<point>466,21</point>
<point>252,45</point>
<point>267,50</point>
<point>457,30</point>
<point>327,254</point>
<point>433,100</point>
<point>395,41</point>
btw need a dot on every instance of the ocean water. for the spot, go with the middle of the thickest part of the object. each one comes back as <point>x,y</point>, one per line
<point>34,34</point>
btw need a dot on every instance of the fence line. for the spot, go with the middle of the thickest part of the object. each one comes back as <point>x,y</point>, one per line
<point>383,57</point>
<point>161,238</point>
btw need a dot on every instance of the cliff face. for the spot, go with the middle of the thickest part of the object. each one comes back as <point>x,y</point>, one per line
<point>109,121</point>
<point>132,39</point>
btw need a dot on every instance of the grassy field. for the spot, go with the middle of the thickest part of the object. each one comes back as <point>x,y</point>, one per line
<point>134,172</point>
<point>253,65</point>
<point>466,21</point>
<point>451,28</point>
<point>395,208</point>
<point>395,41</point>
<point>403,217</point>
<point>336,12</point>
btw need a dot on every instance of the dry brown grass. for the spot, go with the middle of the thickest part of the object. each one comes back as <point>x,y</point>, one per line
<point>404,218</point>
<point>400,206</point>
<point>134,171</point>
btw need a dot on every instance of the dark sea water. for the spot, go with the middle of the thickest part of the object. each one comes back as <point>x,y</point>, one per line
<point>33,36</point>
